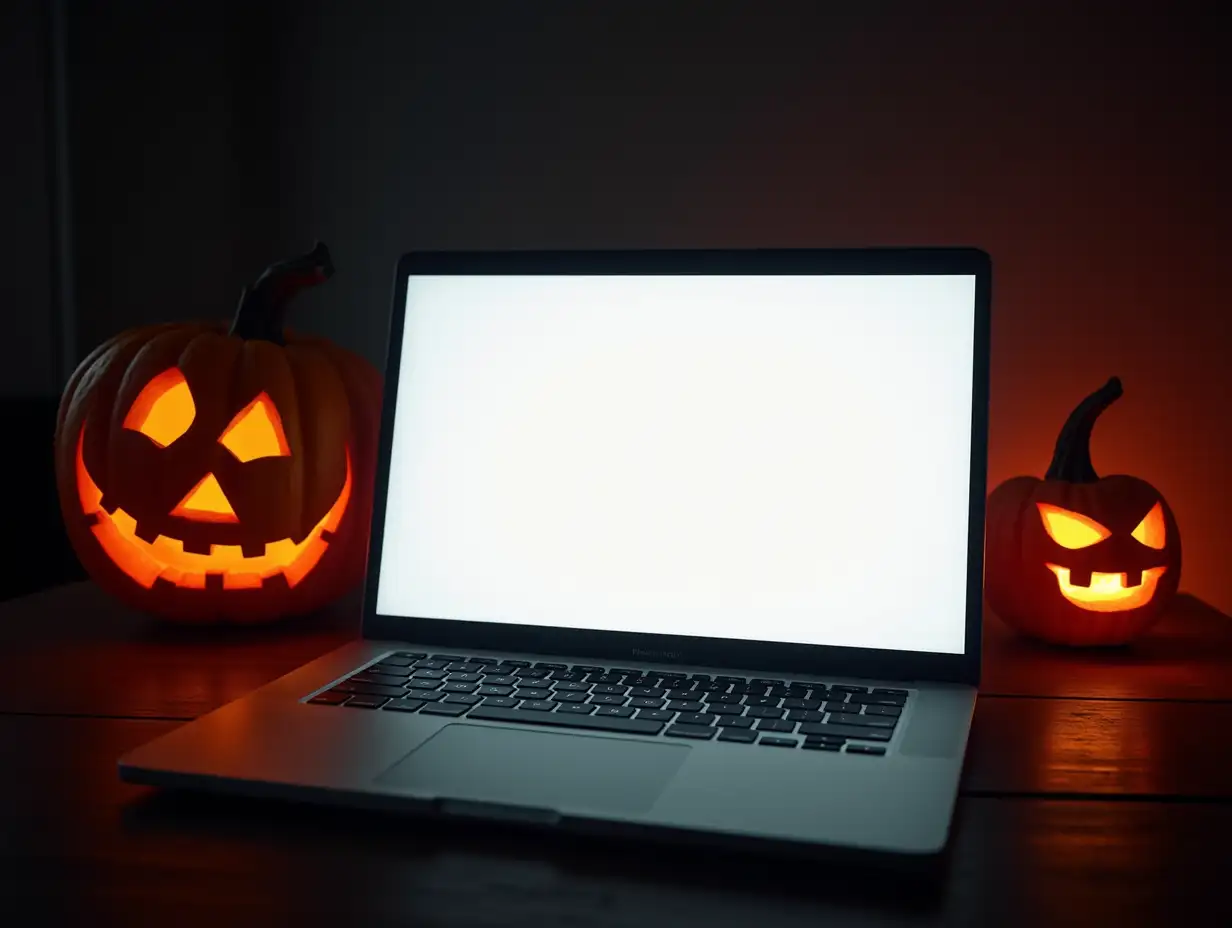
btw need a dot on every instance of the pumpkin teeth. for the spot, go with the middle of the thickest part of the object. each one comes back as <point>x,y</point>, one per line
<point>147,533</point>
<point>253,549</point>
<point>1079,577</point>
<point>1133,578</point>
<point>196,546</point>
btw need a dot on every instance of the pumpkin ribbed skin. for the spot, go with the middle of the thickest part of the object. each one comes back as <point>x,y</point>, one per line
<point>328,402</point>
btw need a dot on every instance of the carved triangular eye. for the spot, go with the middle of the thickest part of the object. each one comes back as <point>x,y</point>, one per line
<point>256,432</point>
<point>1151,530</point>
<point>1071,529</point>
<point>164,409</point>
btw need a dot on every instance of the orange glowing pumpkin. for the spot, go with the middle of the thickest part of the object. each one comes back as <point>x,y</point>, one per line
<point>1079,559</point>
<point>208,474</point>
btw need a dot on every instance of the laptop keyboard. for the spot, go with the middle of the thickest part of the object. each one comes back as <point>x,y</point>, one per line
<point>637,701</point>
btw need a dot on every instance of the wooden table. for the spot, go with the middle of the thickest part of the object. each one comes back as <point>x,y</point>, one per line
<point>1098,791</point>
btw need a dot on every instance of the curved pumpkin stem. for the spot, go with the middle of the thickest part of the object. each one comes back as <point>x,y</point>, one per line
<point>1071,461</point>
<point>263,303</point>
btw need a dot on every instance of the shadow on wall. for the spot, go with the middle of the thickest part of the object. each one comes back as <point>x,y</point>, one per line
<point>38,554</point>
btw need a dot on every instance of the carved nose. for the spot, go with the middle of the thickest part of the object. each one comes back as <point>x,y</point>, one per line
<point>206,502</point>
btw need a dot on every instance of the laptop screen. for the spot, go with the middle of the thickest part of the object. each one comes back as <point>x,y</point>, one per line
<point>768,458</point>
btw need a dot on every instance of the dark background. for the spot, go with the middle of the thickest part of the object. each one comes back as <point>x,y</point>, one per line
<point>1085,146</point>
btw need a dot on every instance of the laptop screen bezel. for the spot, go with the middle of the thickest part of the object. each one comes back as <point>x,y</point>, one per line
<point>621,648</point>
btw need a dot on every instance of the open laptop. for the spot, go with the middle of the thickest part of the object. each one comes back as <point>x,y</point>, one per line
<point>682,543</point>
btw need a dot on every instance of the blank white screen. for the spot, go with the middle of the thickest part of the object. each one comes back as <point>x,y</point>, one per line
<point>772,458</point>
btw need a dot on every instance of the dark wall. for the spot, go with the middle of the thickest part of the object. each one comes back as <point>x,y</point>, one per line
<point>1085,146</point>
<point>27,350</point>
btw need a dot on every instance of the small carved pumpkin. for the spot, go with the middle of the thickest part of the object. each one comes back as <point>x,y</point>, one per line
<point>1079,559</point>
<point>208,474</point>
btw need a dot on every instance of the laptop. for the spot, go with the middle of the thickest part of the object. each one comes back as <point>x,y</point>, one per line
<point>680,544</point>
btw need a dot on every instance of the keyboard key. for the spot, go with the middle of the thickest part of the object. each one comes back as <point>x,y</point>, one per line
<point>735,721</point>
<point>685,705</point>
<point>676,693</point>
<point>887,711</point>
<point>403,705</point>
<point>651,682</point>
<point>369,689</point>
<point>606,699</point>
<point>460,687</point>
<point>493,679</point>
<point>431,665</point>
<point>863,732</point>
<point>804,715</point>
<point>795,703</point>
<point>730,699</point>
<point>396,670</point>
<point>604,678</point>
<point>568,697</point>
<point>626,671</point>
<point>711,688</point>
<point>449,658</point>
<point>611,689</point>
<point>649,692</point>
<point>484,660</point>
<point>618,712</point>
<point>827,739</point>
<point>887,692</point>
<point>865,749</point>
<point>724,709</point>
<point>461,699</point>
<point>877,721</point>
<point>878,700</point>
<point>758,681</point>
<point>781,691</point>
<point>639,702</point>
<point>768,701</point>
<point>778,742</point>
<point>675,674</point>
<point>508,663</point>
<point>763,712</point>
<point>399,660</point>
<point>821,746</point>
<point>464,677</point>
<point>424,684</point>
<point>501,702</point>
<point>567,676</point>
<point>587,668</point>
<point>697,732</point>
<point>570,687</point>
<point>426,695</point>
<point>696,718</point>
<point>846,688</point>
<point>592,722</point>
<point>544,665</point>
<point>532,692</point>
<point>575,708</point>
<point>444,708</point>
<point>533,673</point>
<point>738,734</point>
<point>381,679</point>
<point>700,677</point>
<point>490,690</point>
<point>836,706</point>
<point>776,725</point>
<point>423,674</point>
<point>464,667</point>
<point>366,702</point>
<point>539,705</point>
<point>330,699</point>
<point>655,715</point>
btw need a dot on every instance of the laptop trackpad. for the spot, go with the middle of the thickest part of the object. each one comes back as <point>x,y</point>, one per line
<point>546,770</point>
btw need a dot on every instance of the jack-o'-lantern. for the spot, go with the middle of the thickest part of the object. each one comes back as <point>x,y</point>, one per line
<point>215,474</point>
<point>1079,559</point>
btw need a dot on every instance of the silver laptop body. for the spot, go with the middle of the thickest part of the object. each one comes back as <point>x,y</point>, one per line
<point>685,544</point>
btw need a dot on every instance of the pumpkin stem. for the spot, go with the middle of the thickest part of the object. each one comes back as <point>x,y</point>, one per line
<point>1071,461</point>
<point>263,303</point>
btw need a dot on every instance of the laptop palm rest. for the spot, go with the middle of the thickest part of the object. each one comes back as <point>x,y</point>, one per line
<point>538,769</point>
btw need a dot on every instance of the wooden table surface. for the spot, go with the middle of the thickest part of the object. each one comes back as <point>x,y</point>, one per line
<point>1097,791</point>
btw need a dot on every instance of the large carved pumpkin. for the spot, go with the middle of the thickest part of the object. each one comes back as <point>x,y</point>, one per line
<point>215,474</point>
<point>1079,559</point>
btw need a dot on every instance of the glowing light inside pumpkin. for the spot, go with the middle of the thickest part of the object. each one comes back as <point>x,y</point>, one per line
<point>1108,592</point>
<point>1150,530</point>
<point>206,502</point>
<point>164,409</point>
<point>256,432</point>
<point>1071,529</point>
<point>145,562</point>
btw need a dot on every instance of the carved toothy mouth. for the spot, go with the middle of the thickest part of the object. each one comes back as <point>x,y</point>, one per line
<point>165,558</point>
<point>1108,592</point>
